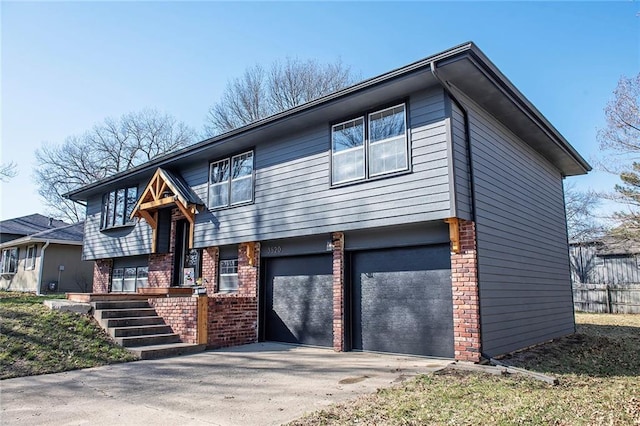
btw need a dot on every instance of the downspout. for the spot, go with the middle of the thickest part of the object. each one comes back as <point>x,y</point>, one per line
<point>472,185</point>
<point>41,268</point>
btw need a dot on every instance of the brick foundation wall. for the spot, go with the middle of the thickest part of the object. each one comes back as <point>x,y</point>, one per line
<point>466,301</point>
<point>248,274</point>
<point>180,313</point>
<point>102,275</point>
<point>337,239</point>
<point>232,320</point>
<point>210,258</point>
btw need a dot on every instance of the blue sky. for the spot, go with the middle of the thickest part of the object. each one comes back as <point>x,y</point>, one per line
<point>66,66</point>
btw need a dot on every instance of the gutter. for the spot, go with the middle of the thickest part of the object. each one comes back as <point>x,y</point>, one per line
<point>41,268</point>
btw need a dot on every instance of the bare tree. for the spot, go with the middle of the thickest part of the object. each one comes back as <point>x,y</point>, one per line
<point>582,223</point>
<point>261,92</point>
<point>620,144</point>
<point>8,171</point>
<point>110,147</point>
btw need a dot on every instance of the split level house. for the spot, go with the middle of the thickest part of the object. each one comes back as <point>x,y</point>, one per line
<point>417,212</point>
<point>43,255</point>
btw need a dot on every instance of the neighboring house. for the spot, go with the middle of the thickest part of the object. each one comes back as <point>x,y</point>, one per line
<point>605,261</point>
<point>26,225</point>
<point>43,260</point>
<point>419,212</point>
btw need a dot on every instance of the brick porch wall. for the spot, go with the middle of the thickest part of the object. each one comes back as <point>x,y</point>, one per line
<point>102,275</point>
<point>466,302</point>
<point>337,239</point>
<point>232,320</point>
<point>180,313</point>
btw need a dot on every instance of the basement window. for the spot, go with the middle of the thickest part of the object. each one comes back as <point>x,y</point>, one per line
<point>228,282</point>
<point>129,279</point>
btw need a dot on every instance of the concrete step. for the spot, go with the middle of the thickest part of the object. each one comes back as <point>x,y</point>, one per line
<point>122,304</point>
<point>132,321</point>
<point>166,351</point>
<point>154,339</point>
<point>125,313</point>
<point>140,330</point>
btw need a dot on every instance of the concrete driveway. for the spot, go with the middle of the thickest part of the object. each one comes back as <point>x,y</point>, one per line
<point>258,384</point>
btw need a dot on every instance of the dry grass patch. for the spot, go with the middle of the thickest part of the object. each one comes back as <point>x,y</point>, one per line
<point>35,340</point>
<point>598,368</point>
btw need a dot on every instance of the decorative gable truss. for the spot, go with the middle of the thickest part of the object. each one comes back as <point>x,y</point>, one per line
<point>165,190</point>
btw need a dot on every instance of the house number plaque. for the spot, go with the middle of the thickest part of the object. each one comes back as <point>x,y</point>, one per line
<point>273,249</point>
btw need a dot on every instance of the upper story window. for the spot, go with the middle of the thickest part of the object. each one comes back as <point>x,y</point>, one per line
<point>9,261</point>
<point>117,207</point>
<point>231,181</point>
<point>370,146</point>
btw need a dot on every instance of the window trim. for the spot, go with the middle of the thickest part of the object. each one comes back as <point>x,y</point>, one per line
<point>107,213</point>
<point>30,261</point>
<point>229,181</point>
<point>365,116</point>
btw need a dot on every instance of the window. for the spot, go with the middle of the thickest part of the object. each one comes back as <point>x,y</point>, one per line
<point>129,279</point>
<point>117,207</point>
<point>362,151</point>
<point>30,261</point>
<point>228,276</point>
<point>599,261</point>
<point>10,260</point>
<point>231,181</point>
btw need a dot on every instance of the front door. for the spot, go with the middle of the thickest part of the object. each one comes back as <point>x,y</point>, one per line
<point>187,266</point>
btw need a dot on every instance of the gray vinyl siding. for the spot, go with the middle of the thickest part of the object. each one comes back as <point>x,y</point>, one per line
<point>525,288</point>
<point>293,196</point>
<point>116,242</point>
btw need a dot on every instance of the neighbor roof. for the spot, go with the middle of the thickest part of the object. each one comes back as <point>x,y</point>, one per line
<point>68,234</point>
<point>28,225</point>
<point>464,68</point>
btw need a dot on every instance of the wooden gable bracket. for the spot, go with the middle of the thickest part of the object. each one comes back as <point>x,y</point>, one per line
<point>161,192</point>
<point>454,234</point>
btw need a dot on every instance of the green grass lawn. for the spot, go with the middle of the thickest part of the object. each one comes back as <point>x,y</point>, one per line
<point>599,373</point>
<point>36,340</point>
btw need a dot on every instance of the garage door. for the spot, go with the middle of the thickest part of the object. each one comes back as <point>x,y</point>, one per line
<point>401,301</point>
<point>298,295</point>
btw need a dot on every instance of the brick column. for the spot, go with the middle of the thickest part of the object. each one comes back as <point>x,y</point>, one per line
<point>337,238</point>
<point>210,260</point>
<point>101,275</point>
<point>248,269</point>
<point>160,270</point>
<point>466,302</point>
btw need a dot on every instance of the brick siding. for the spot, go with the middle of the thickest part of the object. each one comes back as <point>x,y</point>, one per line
<point>160,270</point>
<point>232,320</point>
<point>102,275</point>
<point>180,313</point>
<point>466,302</point>
<point>210,258</point>
<point>248,274</point>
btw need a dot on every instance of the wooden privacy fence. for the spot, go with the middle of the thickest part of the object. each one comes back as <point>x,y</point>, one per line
<point>607,298</point>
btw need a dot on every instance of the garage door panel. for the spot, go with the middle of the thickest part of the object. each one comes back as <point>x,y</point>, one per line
<point>402,301</point>
<point>299,300</point>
